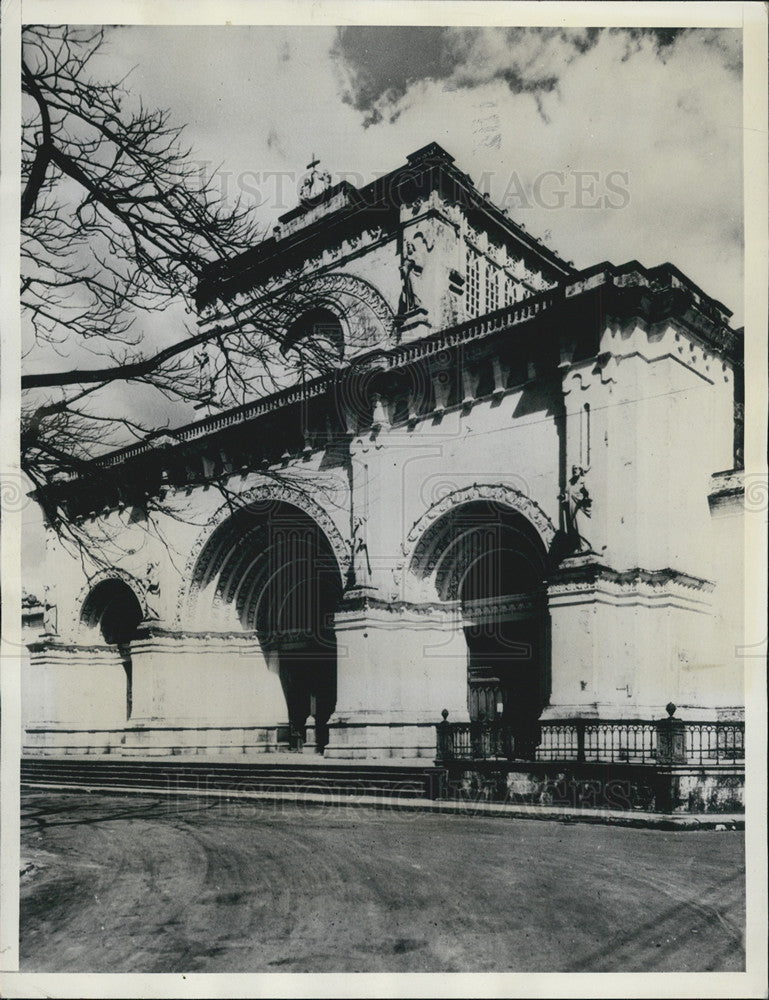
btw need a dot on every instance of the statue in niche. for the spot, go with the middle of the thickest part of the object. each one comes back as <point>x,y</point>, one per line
<point>50,612</point>
<point>577,505</point>
<point>152,591</point>
<point>379,414</point>
<point>359,551</point>
<point>411,268</point>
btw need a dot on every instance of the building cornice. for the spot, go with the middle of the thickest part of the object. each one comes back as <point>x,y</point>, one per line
<point>728,489</point>
<point>585,579</point>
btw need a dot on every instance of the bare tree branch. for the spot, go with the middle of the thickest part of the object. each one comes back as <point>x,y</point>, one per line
<point>117,227</point>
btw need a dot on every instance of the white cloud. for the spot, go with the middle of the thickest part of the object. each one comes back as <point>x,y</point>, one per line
<point>261,100</point>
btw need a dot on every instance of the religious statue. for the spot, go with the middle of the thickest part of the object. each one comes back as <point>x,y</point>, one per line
<point>577,504</point>
<point>358,545</point>
<point>50,612</point>
<point>379,413</point>
<point>408,267</point>
<point>206,380</point>
<point>152,591</point>
<point>315,183</point>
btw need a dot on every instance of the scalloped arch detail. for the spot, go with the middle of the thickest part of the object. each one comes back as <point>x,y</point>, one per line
<point>338,292</point>
<point>497,493</point>
<point>102,576</point>
<point>256,495</point>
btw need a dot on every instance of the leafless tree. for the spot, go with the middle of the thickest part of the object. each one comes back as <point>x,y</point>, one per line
<point>117,225</point>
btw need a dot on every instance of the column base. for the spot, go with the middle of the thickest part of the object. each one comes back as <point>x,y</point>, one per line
<point>376,737</point>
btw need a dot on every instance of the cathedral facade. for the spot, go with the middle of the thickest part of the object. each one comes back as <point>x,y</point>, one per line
<point>510,493</point>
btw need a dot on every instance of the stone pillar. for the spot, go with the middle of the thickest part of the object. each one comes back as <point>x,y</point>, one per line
<point>374,507</point>
<point>671,738</point>
<point>571,603</point>
<point>398,666</point>
<point>615,635</point>
<point>73,698</point>
<point>192,687</point>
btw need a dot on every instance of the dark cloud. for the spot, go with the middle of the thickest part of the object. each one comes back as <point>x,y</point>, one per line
<point>380,64</point>
<point>665,41</point>
<point>383,62</point>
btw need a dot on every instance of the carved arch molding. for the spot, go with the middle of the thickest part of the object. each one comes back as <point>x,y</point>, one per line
<point>367,319</point>
<point>197,562</point>
<point>507,496</point>
<point>102,576</point>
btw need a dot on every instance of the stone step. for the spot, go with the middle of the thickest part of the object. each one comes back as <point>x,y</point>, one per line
<point>241,781</point>
<point>404,781</point>
<point>230,771</point>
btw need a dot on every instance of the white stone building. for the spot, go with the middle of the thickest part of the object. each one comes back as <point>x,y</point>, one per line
<point>513,498</point>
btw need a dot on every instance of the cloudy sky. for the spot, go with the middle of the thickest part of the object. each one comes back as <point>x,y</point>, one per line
<point>610,144</point>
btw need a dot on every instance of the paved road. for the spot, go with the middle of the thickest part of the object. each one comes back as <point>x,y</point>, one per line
<point>139,884</point>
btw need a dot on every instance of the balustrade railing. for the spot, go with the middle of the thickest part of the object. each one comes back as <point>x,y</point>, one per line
<point>608,741</point>
<point>722,742</point>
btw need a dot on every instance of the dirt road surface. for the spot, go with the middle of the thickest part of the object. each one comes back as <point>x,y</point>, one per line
<point>143,884</point>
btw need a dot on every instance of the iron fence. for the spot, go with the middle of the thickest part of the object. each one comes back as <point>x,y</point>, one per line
<point>609,741</point>
<point>715,742</point>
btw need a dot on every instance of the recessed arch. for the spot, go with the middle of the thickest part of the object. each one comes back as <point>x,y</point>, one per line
<point>365,317</point>
<point>485,556</point>
<point>498,496</point>
<point>477,550</point>
<point>206,556</point>
<point>317,332</point>
<point>269,569</point>
<point>113,608</point>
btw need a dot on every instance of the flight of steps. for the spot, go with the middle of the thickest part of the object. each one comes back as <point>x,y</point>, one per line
<point>130,774</point>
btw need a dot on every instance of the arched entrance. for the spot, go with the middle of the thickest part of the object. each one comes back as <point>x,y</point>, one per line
<point>490,559</point>
<point>113,609</point>
<point>269,569</point>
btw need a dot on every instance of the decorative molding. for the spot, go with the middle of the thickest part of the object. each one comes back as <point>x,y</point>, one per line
<point>501,608</point>
<point>588,578</point>
<point>257,494</point>
<point>163,632</point>
<point>101,576</point>
<point>63,647</point>
<point>733,488</point>
<point>326,286</point>
<point>585,571</point>
<point>497,492</point>
<point>318,287</point>
<point>365,602</point>
<point>398,613</point>
<point>507,496</point>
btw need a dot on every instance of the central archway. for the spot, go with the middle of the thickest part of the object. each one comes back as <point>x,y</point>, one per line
<point>270,570</point>
<point>490,559</point>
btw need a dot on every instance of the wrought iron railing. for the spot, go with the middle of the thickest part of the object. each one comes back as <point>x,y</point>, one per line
<point>719,742</point>
<point>608,741</point>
